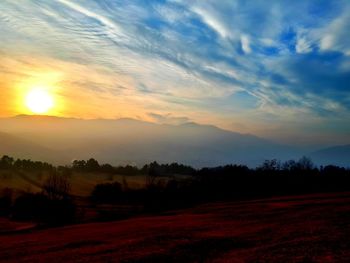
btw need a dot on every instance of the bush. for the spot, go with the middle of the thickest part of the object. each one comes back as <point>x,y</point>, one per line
<point>107,193</point>
<point>29,207</point>
<point>40,208</point>
<point>5,202</point>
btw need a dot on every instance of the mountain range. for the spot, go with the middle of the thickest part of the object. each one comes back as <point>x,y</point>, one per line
<point>129,141</point>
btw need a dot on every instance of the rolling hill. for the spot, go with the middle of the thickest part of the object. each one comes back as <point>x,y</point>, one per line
<point>134,142</point>
<point>337,155</point>
<point>21,148</point>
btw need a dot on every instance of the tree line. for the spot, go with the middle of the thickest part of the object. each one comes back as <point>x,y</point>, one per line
<point>164,189</point>
<point>302,166</point>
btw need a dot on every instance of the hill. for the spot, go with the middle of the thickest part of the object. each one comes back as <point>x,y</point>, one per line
<point>24,148</point>
<point>137,142</point>
<point>337,155</point>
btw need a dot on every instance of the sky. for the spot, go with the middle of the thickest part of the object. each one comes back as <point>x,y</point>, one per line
<point>276,69</point>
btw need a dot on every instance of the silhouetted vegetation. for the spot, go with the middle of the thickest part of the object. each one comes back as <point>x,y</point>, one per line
<point>9,163</point>
<point>52,206</point>
<point>40,208</point>
<point>92,165</point>
<point>107,193</point>
<point>56,187</point>
<point>166,186</point>
<point>230,182</point>
<point>5,201</point>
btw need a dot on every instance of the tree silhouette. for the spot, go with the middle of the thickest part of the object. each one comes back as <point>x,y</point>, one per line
<point>305,164</point>
<point>92,165</point>
<point>6,162</point>
<point>57,187</point>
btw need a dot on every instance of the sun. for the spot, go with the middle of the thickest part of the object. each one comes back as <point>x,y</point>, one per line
<point>39,101</point>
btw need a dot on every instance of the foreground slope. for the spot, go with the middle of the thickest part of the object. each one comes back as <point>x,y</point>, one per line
<point>312,228</point>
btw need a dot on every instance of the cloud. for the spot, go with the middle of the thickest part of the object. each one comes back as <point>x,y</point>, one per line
<point>335,36</point>
<point>246,44</point>
<point>168,118</point>
<point>303,45</point>
<point>207,60</point>
<point>212,21</point>
<point>103,20</point>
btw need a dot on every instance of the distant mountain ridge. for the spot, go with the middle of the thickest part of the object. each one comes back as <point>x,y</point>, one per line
<point>337,155</point>
<point>21,148</point>
<point>130,141</point>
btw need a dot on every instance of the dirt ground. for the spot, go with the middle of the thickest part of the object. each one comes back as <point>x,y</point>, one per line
<point>311,228</point>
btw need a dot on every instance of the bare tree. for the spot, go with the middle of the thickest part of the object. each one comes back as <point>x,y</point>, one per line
<point>305,163</point>
<point>57,187</point>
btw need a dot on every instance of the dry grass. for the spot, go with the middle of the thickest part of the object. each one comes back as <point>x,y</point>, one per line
<point>81,183</point>
<point>312,228</point>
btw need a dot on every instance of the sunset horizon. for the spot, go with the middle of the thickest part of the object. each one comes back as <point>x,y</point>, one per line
<point>284,79</point>
<point>174,131</point>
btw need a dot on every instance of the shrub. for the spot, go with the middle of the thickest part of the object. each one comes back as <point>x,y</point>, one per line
<point>106,193</point>
<point>5,202</point>
<point>40,208</point>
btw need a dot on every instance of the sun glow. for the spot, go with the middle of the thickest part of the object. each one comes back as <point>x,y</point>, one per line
<point>39,101</point>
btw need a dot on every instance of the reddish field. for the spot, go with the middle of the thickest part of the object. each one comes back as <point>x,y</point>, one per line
<point>314,228</point>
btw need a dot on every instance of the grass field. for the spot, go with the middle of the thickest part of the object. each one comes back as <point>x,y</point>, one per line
<point>81,183</point>
<point>310,228</point>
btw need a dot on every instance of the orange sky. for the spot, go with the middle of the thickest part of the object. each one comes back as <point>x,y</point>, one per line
<point>278,71</point>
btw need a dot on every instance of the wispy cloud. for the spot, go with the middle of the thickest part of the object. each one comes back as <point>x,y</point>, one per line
<point>256,62</point>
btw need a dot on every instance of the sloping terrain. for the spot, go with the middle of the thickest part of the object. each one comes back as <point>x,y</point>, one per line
<point>81,183</point>
<point>313,228</point>
<point>128,141</point>
<point>337,155</point>
<point>13,145</point>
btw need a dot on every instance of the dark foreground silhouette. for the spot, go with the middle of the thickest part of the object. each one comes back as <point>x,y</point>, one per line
<point>311,228</point>
<point>166,187</point>
<point>278,212</point>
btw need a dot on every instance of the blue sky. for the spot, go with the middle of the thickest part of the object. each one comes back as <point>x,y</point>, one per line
<point>277,69</point>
